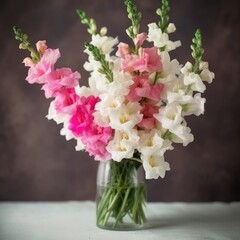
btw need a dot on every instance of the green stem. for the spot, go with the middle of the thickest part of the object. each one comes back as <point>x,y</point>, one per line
<point>166,135</point>
<point>122,212</point>
<point>122,196</point>
<point>156,77</point>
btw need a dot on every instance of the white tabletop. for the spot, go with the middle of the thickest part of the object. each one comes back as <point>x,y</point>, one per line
<point>76,221</point>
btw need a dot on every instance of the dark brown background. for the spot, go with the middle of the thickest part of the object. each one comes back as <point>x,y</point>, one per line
<point>36,163</point>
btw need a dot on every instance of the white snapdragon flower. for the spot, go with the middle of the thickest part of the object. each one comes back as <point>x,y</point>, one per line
<point>171,67</point>
<point>85,91</point>
<point>120,85</point>
<point>123,144</point>
<point>178,97</point>
<point>171,28</point>
<point>109,103</point>
<point>170,76</point>
<point>154,166</point>
<point>152,142</point>
<point>127,116</point>
<point>185,138</point>
<point>104,43</point>
<point>187,68</point>
<point>206,74</point>
<point>192,79</point>
<point>171,118</point>
<point>161,39</point>
<point>174,85</point>
<point>118,88</point>
<point>91,65</point>
<point>98,82</point>
<point>194,106</point>
<point>190,105</point>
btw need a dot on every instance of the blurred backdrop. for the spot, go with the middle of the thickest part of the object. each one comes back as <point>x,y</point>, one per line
<point>36,163</point>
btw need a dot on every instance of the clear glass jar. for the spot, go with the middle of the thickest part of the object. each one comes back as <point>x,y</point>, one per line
<point>121,195</point>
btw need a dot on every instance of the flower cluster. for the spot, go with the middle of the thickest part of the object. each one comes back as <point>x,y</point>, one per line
<point>137,99</point>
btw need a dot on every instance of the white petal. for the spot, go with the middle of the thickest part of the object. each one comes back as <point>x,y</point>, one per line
<point>206,75</point>
<point>194,106</point>
<point>195,82</point>
<point>80,146</point>
<point>127,116</point>
<point>66,132</point>
<point>182,134</point>
<point>170,116</point>
<point>154,166</point>
<point>152,142</point>
<point>123,144</point>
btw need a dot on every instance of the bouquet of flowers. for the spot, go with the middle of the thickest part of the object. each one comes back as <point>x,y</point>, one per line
<point>134,108</point>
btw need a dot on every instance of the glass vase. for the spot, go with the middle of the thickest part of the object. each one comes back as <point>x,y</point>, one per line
<point>121,195</point>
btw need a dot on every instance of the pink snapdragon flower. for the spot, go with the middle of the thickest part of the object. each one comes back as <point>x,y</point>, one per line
<point>123,49</point>
<point>51,56</point>
<point>94,137</point>
<point>148,121</point>
<point>148,61</point>
<point>63,77</point>
<point>66,101</point>
<point>81,122</point>
<point>43,70</point>
<point>142,88</point>
<point>139,40</point>
<point>41,46</point>
<point>97,141</point>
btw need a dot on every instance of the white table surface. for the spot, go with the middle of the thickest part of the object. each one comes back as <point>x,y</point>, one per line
<point>76,221</point>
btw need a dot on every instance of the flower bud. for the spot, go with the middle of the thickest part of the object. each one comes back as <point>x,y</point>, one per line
<point>103,31</point>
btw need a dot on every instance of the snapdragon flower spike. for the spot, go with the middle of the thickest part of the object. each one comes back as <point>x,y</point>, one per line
<point>90,22</point>
<point>163,13</point>
<point>197,51</point>
<point>25,44</point>
<point>135,18</point>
